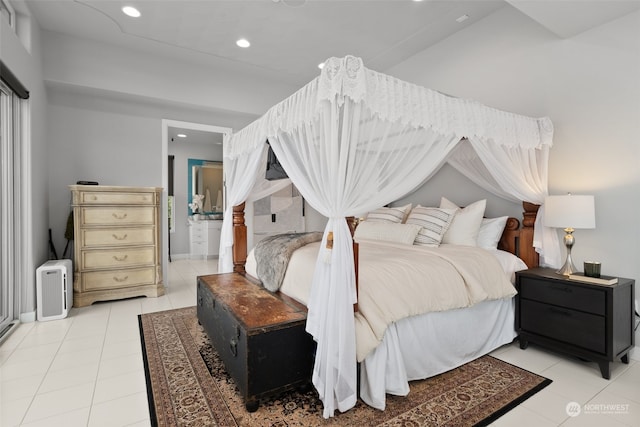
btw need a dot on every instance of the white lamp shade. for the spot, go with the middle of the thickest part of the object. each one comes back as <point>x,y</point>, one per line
<point>569,211</point>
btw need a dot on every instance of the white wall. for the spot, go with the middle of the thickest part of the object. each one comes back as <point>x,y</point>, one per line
<point>24,60</point>
<point>96,136</point>
<point>106,117</point>
<point>588,85</point>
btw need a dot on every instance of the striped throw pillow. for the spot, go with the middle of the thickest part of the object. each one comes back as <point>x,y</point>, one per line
<point>434,223</point>
<point>395,215</point>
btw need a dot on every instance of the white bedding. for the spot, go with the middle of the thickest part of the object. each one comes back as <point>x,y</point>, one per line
<point>399,281</point>
<point>421,340</point>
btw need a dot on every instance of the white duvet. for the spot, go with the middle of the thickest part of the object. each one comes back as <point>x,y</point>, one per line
<point>399,281</point>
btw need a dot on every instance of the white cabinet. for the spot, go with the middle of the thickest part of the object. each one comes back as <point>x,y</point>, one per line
<point>204,238</point>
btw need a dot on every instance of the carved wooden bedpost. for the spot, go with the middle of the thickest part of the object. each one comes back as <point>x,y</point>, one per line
<point>353,223</point>
<point>527,252</point>
<point>239,239</point>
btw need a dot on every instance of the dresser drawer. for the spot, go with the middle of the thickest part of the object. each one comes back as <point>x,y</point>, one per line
<point>569,326</point>
<point>116,198</point>
<point>118,258</point>
<point>198,248</point>
<point>590,300</point>
<point>198,235</point>
<point>99,237</point>
<point>99,280</point>
<point>118,216</point>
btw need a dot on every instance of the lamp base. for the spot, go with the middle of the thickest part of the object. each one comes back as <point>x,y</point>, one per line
<point>568,268</point>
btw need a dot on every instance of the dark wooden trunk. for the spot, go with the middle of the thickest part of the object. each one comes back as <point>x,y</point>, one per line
<point>259,335</point>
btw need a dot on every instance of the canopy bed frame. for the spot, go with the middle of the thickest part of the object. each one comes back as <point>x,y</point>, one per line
<point>353,140</point>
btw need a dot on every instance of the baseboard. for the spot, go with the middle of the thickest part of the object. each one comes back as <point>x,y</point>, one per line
<point>635,353</point>
<point>28,317</point>
<point>179,256</point>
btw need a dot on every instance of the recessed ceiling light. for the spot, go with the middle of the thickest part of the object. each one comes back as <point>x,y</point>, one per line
<point>321,65</point>
<point>131,11</point>
<point>181,135</point>
<point>243,43</point>
<point>462,18</point>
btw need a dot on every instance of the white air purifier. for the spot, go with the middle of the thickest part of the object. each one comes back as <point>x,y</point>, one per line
<point>54,289</point>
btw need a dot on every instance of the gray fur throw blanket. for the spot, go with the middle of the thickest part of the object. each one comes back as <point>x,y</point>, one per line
<point>273,254</point>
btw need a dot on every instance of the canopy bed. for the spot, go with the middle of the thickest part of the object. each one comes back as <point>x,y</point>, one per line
<point>353,140</point>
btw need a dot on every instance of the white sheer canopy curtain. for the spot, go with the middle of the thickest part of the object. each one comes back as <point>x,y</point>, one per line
<point>516,172</point>
<point>344,162</point>
<point>241,173</point>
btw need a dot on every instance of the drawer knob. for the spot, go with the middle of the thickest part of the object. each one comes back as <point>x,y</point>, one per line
<point>120,279</point>
<point>120,258</point>
<point>115,236</point>
<point>119,216</point>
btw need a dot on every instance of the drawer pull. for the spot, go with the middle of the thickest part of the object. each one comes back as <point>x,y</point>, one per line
<point>120,280</point>
<point>233,346</point>
<point>120,258</point>
<point>119,237</point>
<point>560,312</point>
<point>563,289</point>
<point>119,216</point>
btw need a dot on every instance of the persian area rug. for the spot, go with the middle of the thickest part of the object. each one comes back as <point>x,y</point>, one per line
<point>187,386</point>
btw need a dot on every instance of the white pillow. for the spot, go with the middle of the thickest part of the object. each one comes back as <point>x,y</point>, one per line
<point>466,224</point>
<point>387,231</point>
<point>396,214</point>
<point>491,231</point>
<point>434,223</point>
<point>510,263</point>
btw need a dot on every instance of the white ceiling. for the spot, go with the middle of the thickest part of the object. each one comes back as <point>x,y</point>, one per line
<point>290,37</point>
<point>193,136</point>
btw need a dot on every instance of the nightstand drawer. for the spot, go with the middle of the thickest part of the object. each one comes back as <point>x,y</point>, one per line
<point>591,300</point>
<point>563,324</point>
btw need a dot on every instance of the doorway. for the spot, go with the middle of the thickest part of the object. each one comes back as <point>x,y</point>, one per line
<point>194,132</point>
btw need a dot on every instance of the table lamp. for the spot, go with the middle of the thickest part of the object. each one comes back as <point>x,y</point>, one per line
<point>569,212</point>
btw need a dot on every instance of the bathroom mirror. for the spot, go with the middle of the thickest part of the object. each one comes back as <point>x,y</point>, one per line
<point>206,178</point>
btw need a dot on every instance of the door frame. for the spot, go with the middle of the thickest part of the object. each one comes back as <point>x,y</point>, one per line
<point>166,124</point>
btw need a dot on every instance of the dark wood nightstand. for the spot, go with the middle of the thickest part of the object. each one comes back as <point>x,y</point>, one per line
<point>593,322</point>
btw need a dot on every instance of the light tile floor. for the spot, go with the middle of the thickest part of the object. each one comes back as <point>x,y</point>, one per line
<point>87,370</point>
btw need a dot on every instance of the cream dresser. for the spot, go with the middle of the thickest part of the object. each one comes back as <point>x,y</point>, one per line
<point>117,243</point>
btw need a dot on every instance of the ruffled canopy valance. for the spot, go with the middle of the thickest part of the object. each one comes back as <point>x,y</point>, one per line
<point>353,140</point>
<point>394,100</point>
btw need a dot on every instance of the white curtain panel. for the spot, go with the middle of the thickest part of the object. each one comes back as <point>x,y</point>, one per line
<point>344,162</point>
<point>516,173</point>
<point>353,140</point>
<point>263,187</point>
<point>241,174</point>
